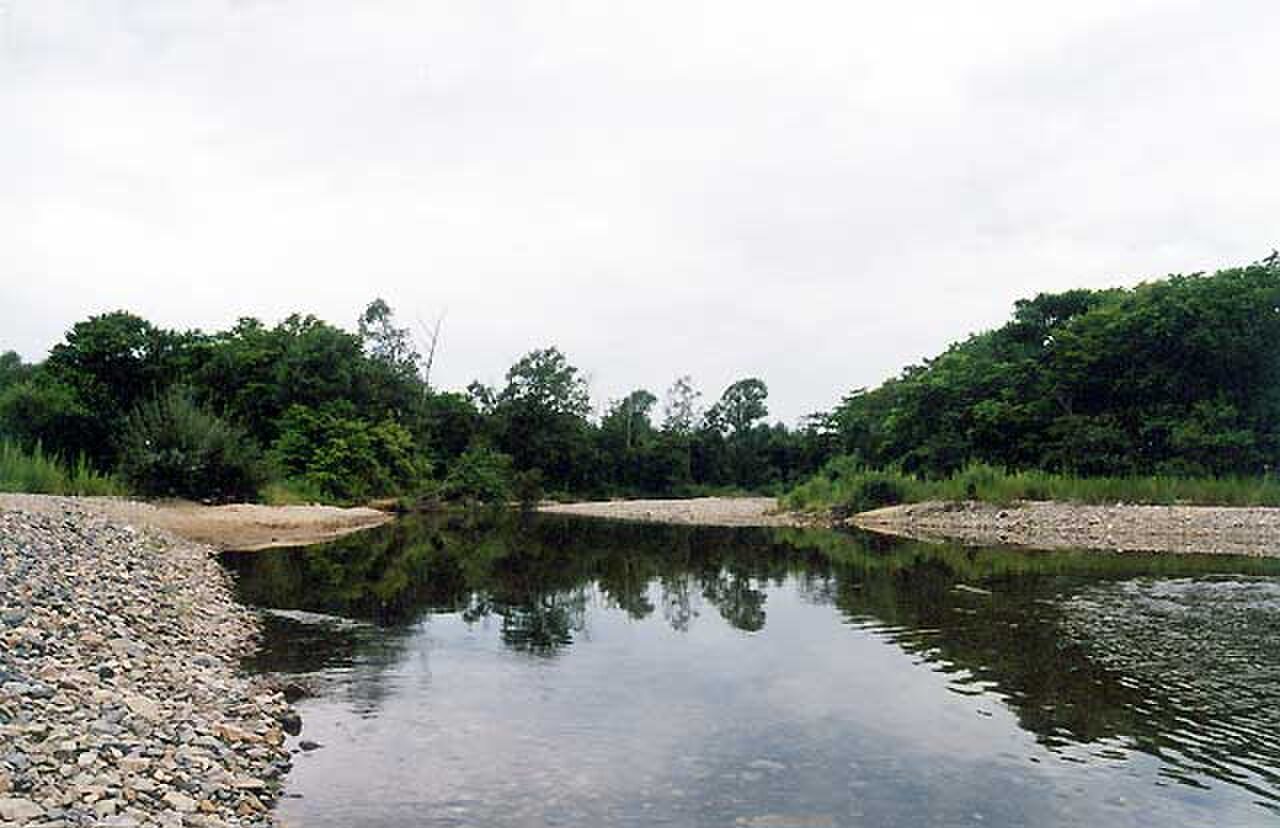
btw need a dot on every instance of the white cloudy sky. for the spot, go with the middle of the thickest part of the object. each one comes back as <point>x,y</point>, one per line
<point>812,192</point>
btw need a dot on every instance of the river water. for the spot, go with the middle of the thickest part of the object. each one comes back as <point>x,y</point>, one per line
<point>539,671</point>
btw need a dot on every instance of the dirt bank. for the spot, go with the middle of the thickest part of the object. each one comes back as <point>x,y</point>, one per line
<point>701,511</point>
<point>240,526</point>
<point>1203,529</point>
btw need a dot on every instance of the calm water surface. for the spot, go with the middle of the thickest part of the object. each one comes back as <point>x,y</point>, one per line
<point>553,671</point>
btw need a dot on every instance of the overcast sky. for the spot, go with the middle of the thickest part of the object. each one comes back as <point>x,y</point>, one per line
<point>816,193</point>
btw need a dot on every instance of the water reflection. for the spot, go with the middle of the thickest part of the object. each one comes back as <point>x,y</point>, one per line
<point>774,674</point>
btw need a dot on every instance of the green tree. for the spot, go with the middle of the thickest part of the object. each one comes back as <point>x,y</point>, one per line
<point>740,406</point>
<point>625,440</point>
<point>12,369</point>
<point>540,419</point>
<point>1180,375</point>
<point>450,424</point>
<point>42,411</point>
<point>254,374</point>
<point>112,363</point>
<point>629,417</point>
<point>391,368</point>
<point>544,379</point>
<point>384,341</point>
<point>680,411</point>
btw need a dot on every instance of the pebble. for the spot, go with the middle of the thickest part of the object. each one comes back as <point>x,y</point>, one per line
<point>121,703</point>
<point>180,802</point>
<point>19,810</point>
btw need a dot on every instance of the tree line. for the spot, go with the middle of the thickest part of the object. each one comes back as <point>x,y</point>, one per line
<point>1179,376</point>
<point>307,410</point>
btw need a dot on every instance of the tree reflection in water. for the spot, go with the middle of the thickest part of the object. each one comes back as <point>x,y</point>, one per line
<point>1003,622</point>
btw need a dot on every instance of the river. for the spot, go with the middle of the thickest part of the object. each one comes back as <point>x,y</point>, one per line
<point>544,670</point>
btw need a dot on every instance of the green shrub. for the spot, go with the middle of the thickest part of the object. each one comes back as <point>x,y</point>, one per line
<point>528,488</point>
<point>480,474</point>
<point>343,456</point>
<point>874,492</point>
<point>171,447</point>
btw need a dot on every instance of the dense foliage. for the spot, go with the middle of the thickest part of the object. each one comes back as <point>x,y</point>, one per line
<point>172,447</point>
<point>1173,378</point>
<point>1176,377</point>
<point>480,475</point>
<point>347,416</point>
<point>344,456</point>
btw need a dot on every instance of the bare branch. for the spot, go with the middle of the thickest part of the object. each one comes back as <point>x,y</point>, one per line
<point>431,338</point>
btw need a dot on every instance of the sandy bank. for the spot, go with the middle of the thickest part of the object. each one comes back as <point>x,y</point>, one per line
<point>240,526</point>
<point>701,511</point>
<point>1185,529</point>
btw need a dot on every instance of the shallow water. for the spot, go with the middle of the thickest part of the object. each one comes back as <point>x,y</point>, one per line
<point>558,671</point>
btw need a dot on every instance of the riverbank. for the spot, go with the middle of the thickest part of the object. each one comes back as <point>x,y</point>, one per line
<point>1222,530</point>
<point>121,702</point>
<point>242,527</point>
<point>700,511</point>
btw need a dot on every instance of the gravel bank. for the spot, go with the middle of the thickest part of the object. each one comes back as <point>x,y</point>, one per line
<point>120,701</point>
<point>1185,529</point>
<point>701,511</point>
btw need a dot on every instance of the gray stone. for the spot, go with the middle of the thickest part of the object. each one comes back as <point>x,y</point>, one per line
<point>125,731</point>
<point>19,810</point>
<point>105,808</point>
<point>181,803</point>
<point>16,760</point>
<point>291,722</point>
<point>14,617</point>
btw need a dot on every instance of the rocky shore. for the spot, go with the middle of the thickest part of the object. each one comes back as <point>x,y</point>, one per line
<point>1221,530</point>
<point>120,699</point>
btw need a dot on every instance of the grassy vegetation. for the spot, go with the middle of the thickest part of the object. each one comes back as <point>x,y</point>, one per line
<point>292,491</point>
<point>847,487</point>
<point>41,473</point>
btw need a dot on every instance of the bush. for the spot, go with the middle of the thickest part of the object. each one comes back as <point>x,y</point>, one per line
<point>343,456</point>
<point>528,488</point>
<point>480,474</point>
<point>171,447</point>
<point>870,491</point>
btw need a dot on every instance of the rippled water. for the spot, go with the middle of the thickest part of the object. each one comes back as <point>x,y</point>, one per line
<point>572,672</point>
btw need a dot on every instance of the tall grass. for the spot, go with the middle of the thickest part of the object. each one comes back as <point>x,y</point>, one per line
<point>37,472</point>
<point>847,487</point>
<point>292,491</point>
